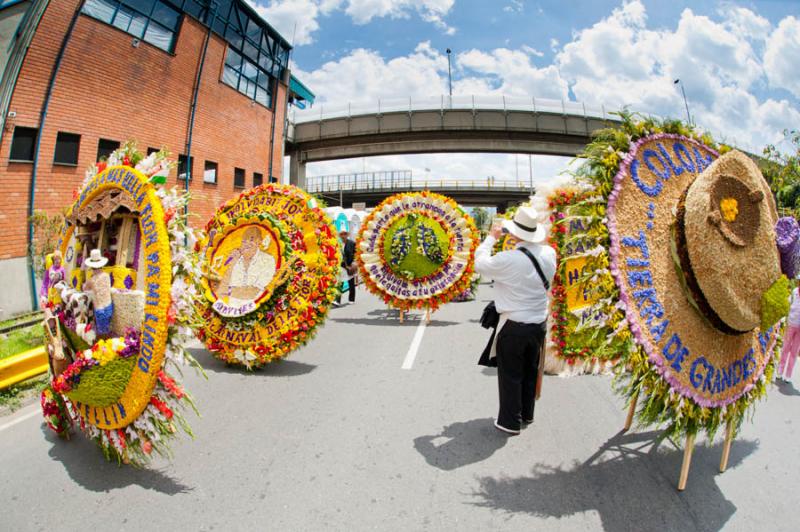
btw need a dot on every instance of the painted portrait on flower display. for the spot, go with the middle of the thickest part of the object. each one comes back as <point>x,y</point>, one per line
<point>245,263</point>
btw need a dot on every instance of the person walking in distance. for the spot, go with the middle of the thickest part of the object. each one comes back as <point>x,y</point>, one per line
<point>349,265</point>
<point>522,280</point>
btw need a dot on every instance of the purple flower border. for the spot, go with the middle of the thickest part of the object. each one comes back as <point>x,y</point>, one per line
<point>641,338</point>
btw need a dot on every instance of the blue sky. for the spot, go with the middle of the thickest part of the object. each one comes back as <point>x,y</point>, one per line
<point>738,61</point>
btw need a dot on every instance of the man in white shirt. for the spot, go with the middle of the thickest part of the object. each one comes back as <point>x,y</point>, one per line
<point>521,295</point>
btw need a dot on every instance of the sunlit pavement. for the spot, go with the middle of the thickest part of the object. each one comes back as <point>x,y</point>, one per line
<point>341,437</point>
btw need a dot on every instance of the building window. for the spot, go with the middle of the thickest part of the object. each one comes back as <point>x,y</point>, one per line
<point>105,147</point>
<point>238,178</point>
<point>210,172</point>
<point>23,144</point>
<point>67,145</point>
<point>151,151</point>
<point>182,167</point>
<point>257,179</point>
<point>273,179</point>
<point>246,77</point>
<point>153,21</point>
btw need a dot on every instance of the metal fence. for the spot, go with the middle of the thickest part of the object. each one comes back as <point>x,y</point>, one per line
<point>503,103</point>
<point>404,180</point>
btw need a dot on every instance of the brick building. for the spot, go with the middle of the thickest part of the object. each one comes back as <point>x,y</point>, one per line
<point>207,78</point>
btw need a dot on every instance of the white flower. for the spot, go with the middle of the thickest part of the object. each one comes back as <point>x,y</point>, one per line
<point>147,164</point>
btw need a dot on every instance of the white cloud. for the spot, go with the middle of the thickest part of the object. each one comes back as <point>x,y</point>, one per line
<point>516,6</point>
<point>622,60</point>
<point>782,56</point>
<point>299,17</point>
<point>290,18</point>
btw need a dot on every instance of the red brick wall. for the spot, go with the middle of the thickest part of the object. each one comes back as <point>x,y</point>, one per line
<point>108,89</point>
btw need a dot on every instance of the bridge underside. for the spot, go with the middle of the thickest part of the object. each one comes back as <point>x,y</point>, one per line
<point>473,197</point>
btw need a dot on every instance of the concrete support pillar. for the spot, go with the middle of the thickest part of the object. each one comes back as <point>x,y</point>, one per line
<point>297,170</point>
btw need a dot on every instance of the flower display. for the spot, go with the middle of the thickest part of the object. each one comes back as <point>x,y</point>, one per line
<point>110,387</point>
<point>665,348</point>
<point>270,269</point>
<point>415,250</point>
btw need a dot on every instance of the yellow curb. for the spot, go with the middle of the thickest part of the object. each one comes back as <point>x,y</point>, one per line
<point>22,367</point>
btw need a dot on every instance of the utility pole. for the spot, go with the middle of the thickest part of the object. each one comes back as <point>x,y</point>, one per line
<point>685,101</point>
<point>449,76</point>
<point>530,171</point>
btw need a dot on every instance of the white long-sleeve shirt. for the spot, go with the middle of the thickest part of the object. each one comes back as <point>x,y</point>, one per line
<point>520,294</point>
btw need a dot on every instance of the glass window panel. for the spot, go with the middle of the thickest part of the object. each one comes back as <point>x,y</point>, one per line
<point>210,172</point>
<point>238,19</point>
<point>230,76</point>
<point>267,42</point>
<point>67,146</point>
<point>194,9</point>
<point>123,18</point>
<point>138,23</point>
<point>250,51</point>
<point>253,30</point>
<point>100,9</point>
<point>263,80</point>
<point>166,15</point>
<point>233,37</point>
<point>251,89</point>
<point>142,6</point>
<point>233,59</point>
<point>159,36</point>
<point>262,97</point>
<point>223,9</point>
<point>219,25</point>
<point>105,147</point>
<point>249,70</point>
<point>257,179</point>
<point>238,177</point>
<point>23,143</point>
<point>265,62</point>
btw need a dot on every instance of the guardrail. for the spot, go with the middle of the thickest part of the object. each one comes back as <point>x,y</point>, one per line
<point>21,367</point>
<point>404,180</point>
<point>446,102</point>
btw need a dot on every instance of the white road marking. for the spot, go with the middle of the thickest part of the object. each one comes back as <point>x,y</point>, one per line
<point>412,350</point>
<point>20,419</point>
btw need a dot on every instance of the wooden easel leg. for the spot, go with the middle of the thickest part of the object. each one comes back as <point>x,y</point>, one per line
<point>631,412</point>
<point>428,316</point>
<point>687,461</point>
<point>726,449</point>
<point>401,315</point>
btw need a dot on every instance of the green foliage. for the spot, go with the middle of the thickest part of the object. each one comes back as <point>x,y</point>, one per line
<point>46,230</point>
<point>20,340</point>
<point>481,217</point>
<point>103,385</point>
<point>782,171</point>
<point>415,265</point>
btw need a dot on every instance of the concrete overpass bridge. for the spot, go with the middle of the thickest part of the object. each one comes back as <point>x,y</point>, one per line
<point>370,188</point>
<point>445,124</point>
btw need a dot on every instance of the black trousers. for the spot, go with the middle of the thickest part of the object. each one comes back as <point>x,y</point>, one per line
<point>518,349</point>
<point>352,289</point>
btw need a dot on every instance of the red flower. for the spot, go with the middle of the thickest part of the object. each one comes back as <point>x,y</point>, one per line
<point>101,166</point>
<point>126,161</point>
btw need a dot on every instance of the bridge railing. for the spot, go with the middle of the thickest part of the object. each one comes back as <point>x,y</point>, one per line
<point>404,180</point>
<point>323,111</point>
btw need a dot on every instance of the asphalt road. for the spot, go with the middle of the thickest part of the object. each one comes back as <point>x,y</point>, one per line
<point>340,437</point>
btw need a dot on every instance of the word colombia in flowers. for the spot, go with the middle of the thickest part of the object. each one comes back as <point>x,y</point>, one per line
<point>663,223</point>
<point>119,297</point>
<point>270,264</point>
<point>416,250</point>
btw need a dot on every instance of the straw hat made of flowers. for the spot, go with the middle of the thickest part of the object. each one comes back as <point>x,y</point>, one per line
<point>729,222</point>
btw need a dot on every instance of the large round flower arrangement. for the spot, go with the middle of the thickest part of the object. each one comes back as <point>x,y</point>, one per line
<point>684,372</point>
<point>119,387</point>
<point>270,268</point>
<point>415,250</point>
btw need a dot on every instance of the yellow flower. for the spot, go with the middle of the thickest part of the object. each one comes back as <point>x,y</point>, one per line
<point>729,208</point>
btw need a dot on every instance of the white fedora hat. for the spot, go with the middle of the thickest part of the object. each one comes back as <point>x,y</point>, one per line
<point>525,225</point>
<point>96,260</point>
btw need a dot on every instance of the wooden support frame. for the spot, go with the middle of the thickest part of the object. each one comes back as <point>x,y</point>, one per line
<point>726,449</point>
<point>687,461</point>
<point>401,315</point>
<point>631,412</point>
<point>428,316</point>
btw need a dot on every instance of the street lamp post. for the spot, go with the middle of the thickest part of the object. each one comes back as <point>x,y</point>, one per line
<point>449,74</point>
<point>685,101</point>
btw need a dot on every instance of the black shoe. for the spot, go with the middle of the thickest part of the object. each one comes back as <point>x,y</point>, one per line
<point>506,430</point>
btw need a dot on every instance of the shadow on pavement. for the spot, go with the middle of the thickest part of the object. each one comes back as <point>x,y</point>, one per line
<point>787,388</point>
<point>467,442</point>
<point>84,463</point>
<point>491,372</point>
<point>276,368</point>
<point>628,487</point>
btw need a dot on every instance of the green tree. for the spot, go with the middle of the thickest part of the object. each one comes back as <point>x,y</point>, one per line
<point>481,217</point>
<point>782,170</point>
